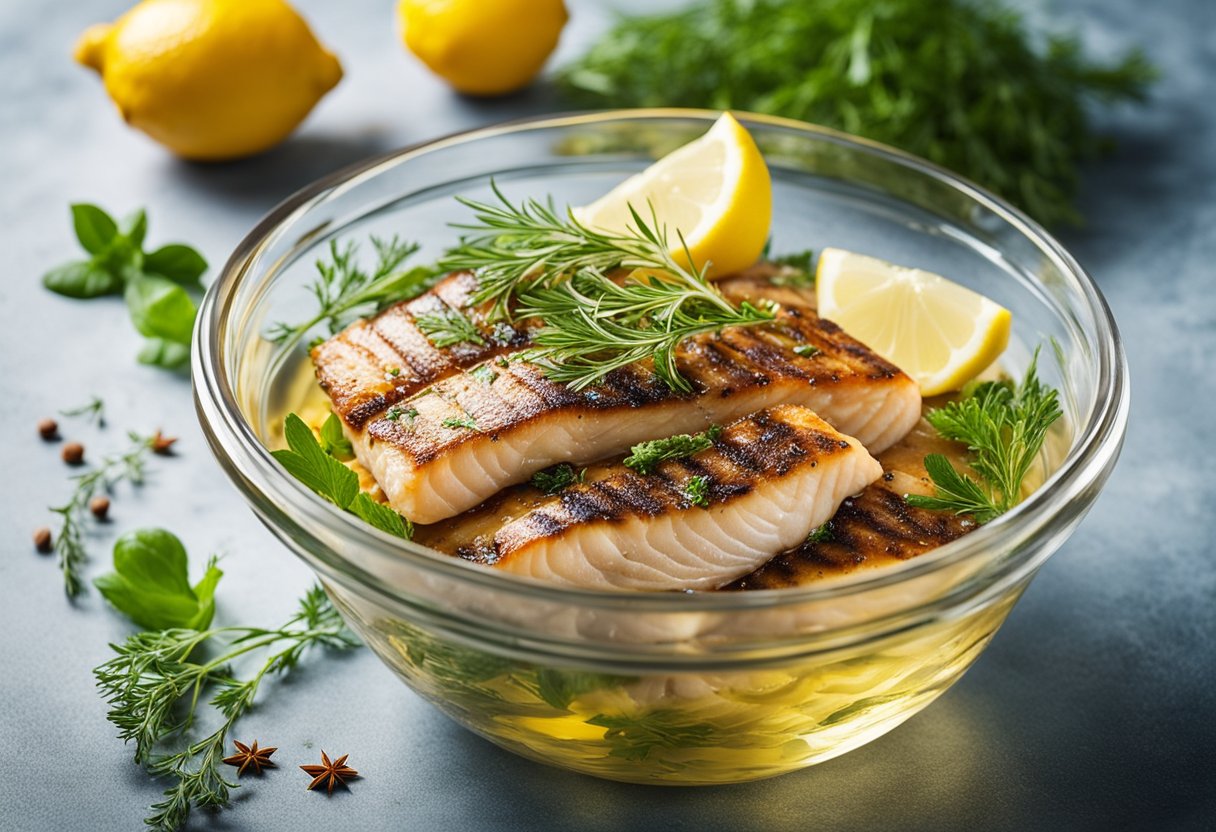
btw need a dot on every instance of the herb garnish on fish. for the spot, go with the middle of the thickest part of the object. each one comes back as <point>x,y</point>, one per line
<point>553,480</point>
<point>644,456</point>
<point>1004,427</point>
<point>531,262</point>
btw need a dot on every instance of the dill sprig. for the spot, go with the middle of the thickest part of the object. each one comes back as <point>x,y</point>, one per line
<point>154,686</point>
<point>552,480</point>
<point>964,83</point>
<point>344,291</point>
<point>645,456</point>
<point>128,466</point>
<point>532,262</point>
<point>1004,427</point>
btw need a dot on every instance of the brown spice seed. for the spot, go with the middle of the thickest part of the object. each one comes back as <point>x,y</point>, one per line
<point>100,506</point>
<point>43,540</point>
<point>162,444</point>
<point>48,429</point>
<point>73,453</point>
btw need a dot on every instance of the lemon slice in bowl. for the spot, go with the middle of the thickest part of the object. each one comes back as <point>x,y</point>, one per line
<point>716,191</point>
<point>938,332</point>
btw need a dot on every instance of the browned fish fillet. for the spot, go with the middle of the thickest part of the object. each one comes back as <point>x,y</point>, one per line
<point>768,479</point>
<point>463,436</point>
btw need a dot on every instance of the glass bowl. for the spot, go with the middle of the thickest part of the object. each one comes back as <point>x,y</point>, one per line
<point>679,688</point>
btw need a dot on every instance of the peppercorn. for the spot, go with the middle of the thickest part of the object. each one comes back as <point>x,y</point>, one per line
<point>48,429</point>
<point>43,540</point>
<point>100,506</point>
<point>73,453</point>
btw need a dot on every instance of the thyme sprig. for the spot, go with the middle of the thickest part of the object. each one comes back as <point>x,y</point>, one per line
<point>345,291</point>
<point>155,683</point>
<point>93,411</point>
<point>532,262</point>
<point>128,466</point>
<point>1004,427</point>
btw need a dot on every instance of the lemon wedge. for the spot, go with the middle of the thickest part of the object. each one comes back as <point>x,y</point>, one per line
<point>938,332</point>
<point>715,191</point>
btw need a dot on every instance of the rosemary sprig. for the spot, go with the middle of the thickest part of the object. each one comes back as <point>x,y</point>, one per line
<point>447,328</point>
<point>128,466</point>
<point>344,291</point>
<point>153,687</point>
<point>533,263</point>
<point>1004,427</point>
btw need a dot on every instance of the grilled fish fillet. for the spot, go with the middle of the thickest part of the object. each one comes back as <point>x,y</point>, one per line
<point>465,427</point>
<point>769,479</point>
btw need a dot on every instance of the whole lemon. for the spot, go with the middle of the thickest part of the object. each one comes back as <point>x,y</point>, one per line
<point>211,79</point>
<point>483,47</point>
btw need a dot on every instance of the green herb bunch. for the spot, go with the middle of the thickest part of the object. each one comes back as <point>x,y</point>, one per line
<point>157,285</point>
<point>961,82</point>
<point>1004,427</point>
<point>157,680</point>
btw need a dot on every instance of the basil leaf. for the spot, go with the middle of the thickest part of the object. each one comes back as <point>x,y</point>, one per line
<point>81,279</point>
<point>312,466</point>
<point>378,515</point>
<point>94,227</point>
<point>160,308</point>
<point>181,264</point>
<point>135,228</point>
<point>170,355</point>
<point>150,585</point>
<point>334,441</point>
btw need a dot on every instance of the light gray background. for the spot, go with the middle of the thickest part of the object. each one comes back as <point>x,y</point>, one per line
<point>1093,709</point>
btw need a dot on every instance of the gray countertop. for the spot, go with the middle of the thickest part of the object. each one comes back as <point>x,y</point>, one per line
<point>1095,707</point>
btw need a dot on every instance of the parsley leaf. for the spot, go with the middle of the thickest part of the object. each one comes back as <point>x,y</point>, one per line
<point>149,583</point>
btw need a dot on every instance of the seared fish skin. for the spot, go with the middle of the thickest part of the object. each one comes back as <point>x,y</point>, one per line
<point>769,479</point>
<point>460,433</point>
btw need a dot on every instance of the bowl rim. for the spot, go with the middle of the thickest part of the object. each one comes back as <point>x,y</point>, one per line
<point>1094,448</point>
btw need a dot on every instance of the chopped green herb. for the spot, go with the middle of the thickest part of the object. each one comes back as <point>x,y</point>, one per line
<point>466,422</point>
<point>397,413</point>
<point>637,737</point>
<point>645,456</point>
<point>697,490</point>
<point>820,534</point>
<point>449,327</point>
<point>553,480</point>
<point>502,361</point>
<point>310,464</point>
<point>393,372</point>
<point>150,582</point>
<point>963,83</point>
<point>806,350</point>
<point>796,270</point>
<point>483,373</point>
<point>1004,427</point>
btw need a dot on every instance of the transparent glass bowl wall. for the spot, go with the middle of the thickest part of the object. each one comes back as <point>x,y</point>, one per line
<point>709,688</point>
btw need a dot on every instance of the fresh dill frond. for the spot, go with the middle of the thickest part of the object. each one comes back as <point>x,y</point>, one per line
<point>448,327</point>
<point>345,291</point>
<point>1004,427</point>
<point>69,545</point>
<point>532,262</point>
<point>155,683</point>
<point>553,480</point>
<point>645,456</point>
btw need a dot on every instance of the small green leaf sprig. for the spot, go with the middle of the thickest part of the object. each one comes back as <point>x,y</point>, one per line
<point>150,583</point>
<point>157,285</point>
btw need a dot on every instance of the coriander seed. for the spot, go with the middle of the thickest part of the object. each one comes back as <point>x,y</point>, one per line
<point>73,453</point>
<point>48,429</point>
<point>43,541</point>
<point>100,506</point>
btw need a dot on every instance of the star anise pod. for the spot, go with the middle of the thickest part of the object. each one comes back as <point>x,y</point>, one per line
<point>329,773</point>
<point>250,757</point>
<point>162,444</point>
